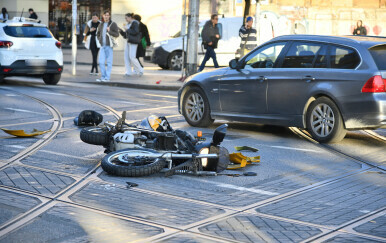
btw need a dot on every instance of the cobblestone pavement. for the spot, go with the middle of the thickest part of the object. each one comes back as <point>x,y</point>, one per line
<point>302,192</point>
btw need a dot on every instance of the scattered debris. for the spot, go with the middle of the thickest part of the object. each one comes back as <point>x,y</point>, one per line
<point>246,148</point>
<point>250,173</point>
<point>88,117</point>
<point>131,184</point>
<point>158,82</point>
<point>240,161</point>
<point>23,134</point>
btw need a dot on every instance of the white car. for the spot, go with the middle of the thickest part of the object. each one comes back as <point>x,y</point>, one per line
<point>27,48</point>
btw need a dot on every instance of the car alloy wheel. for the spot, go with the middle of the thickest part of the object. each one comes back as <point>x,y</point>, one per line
<point>322,120</point>
<point>175,61</point>
<point>195,107</point>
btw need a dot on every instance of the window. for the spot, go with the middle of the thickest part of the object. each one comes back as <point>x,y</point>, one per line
<point>264,57</point>
<point>27,32</point>
<point>303,55</point>
<point>343,58</point>
<point>379,55</point>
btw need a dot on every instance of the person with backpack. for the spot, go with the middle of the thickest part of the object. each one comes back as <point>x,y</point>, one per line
<point>133,36</point>
<point>145,41</point>
<point>106,34</point>
<point>248,37</point>
<point>210,36</point>
<point>91,42</point>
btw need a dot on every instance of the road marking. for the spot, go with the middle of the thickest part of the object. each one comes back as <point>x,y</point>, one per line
<point>155,108</point>
<point>165,96</point>
<point>51,152</point>
<point>11,95</point>
<point>299,149</point>
<point>239,188</point>
<point>21,110</point>
<point>132,103</point>
<point>50,93</point>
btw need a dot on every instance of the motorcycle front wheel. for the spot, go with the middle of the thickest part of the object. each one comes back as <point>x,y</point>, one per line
<point>132,162</point>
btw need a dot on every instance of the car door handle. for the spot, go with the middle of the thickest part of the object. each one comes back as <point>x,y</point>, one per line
<point>262,79</point>
<point>308,78</point>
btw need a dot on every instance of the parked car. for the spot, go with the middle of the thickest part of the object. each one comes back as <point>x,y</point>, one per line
<point>27,48</point>
<point>326,84</point>
<point>168,53</point>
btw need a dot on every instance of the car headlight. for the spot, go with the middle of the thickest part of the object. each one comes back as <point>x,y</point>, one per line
<point>204,161</point>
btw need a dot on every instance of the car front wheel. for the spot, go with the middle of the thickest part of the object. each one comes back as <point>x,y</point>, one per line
<point>195,108</point>
<point>324,121</point>
<point>51,79</point>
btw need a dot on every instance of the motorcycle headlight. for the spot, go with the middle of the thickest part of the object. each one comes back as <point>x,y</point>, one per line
<point>204,161</point>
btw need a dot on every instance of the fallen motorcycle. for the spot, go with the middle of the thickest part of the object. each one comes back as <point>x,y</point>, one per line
<point>147,148</point>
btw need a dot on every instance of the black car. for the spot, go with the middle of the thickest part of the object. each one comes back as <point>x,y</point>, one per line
<point>327,84</point>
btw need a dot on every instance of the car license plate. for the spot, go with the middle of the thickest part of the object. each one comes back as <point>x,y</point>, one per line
<point>36,62</point>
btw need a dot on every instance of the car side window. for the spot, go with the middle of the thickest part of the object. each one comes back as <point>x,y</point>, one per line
<point>303,55</point>
<point>264,57</point>
<point>343,57</point>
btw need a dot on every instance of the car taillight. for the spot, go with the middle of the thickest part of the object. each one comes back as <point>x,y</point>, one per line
<point>7,70</point>
<point>375,84</point>
<point>58,44</point>
<point>6,44</point>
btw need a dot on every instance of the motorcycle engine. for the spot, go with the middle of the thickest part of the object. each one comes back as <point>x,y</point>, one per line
<point>127,139</point>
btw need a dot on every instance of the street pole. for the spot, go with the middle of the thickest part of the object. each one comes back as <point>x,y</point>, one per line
<point>183,35</point>
<point>74,39</point>
<point>257,21</point>
<point>194,10</point>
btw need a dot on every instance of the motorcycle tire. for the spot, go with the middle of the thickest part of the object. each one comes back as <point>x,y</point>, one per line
<point>112,163</point>
<point>94,136</point>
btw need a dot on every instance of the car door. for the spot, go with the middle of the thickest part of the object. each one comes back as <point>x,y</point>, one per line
<point>243,91</point>
<point>290,83</point>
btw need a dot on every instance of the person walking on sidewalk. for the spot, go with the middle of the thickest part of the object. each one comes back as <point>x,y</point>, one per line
<point>91,42</point>
<point>210,36</point>
<point>145,41</point>
<point>32,14</point>
<point>248,37</point>
<point>133,36</point>
<point>105,34</point>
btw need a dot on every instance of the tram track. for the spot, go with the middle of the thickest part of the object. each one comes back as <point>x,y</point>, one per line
<point>62,197</point>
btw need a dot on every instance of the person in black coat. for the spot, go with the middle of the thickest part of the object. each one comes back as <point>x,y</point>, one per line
<point>141,50</point>
<point>210,35</point>
<point>360,29</point>
<point>32,14</point>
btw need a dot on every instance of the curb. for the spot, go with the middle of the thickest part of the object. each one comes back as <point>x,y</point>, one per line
<point>138,86</point>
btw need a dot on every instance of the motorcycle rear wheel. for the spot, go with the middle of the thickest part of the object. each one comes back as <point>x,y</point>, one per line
<point>94,135</point>
<point>132,163</point>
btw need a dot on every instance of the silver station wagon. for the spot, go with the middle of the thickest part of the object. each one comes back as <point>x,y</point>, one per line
<point>326,84</point>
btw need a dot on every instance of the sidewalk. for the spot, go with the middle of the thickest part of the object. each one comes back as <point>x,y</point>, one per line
<point>154,77</point>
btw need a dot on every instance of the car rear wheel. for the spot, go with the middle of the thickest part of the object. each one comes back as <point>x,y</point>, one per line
<point>51,79</point>
<point>175,60</point>
<point>195,108</point>
<point>324,121</point>
<point>2,79</point>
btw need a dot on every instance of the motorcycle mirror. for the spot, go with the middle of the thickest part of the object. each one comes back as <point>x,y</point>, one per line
<point>219,134</point>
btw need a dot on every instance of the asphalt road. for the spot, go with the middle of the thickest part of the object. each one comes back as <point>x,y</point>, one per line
<point>52,188</point>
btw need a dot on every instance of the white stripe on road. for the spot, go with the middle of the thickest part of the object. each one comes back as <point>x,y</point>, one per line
<point>131,103</point>
<point>51,152</point>
<point>11,95</point>
<point>165,96</point>
<point>43,92</point>
<point>239,188</point>
<point>299,149</point>
<point>21,110</point>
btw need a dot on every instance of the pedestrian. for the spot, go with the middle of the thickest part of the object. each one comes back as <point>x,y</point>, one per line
<point>32,14</point>
<point>145,41</point>
<point>360,29</point>
<point>133,36</point>
<point>248,37</point>
<point>210,36</point>
<point>91,42</point>
<point>105,34</point>
<point>4,14</point>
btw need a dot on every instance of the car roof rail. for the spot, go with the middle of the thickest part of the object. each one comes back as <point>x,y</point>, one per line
<point>23,19</point>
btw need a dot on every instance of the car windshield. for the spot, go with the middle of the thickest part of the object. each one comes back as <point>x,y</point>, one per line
<point>27,31</point>
<point>379,56</point>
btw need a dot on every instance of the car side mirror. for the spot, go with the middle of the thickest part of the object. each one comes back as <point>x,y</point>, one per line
<point>233,64</point>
